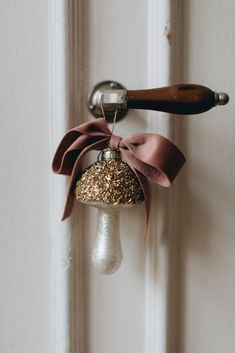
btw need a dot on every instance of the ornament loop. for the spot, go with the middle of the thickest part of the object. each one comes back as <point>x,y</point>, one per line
<point>109,154</point>
<point>103,114</point>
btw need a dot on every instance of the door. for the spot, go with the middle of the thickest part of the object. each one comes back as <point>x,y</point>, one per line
<point>173,293</point>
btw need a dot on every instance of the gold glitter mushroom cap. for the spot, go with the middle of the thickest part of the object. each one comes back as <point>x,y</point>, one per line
<point>109,182</point>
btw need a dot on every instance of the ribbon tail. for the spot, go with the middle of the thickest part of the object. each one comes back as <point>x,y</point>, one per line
<point>76,171</point>
<point>147,198</point>
<point>144,184</point>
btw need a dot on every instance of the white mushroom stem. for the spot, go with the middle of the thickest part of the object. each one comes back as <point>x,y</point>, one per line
<point>107,250</point>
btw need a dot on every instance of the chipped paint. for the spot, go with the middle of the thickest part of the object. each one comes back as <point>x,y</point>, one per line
<point>167,32</point>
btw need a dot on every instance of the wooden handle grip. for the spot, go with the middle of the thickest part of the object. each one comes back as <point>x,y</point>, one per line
<point>177,99</point>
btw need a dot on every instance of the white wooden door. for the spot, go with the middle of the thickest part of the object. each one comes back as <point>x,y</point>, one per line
<point>172,294</point>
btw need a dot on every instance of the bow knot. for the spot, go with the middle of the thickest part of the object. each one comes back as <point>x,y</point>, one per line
<point>114,142</point>
<point>150,156</point>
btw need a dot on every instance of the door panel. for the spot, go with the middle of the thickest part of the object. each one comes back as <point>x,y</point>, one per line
<point>121,41</point>
<point>115,320</point>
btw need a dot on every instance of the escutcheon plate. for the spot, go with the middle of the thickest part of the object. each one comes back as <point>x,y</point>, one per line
<point>112,95</point>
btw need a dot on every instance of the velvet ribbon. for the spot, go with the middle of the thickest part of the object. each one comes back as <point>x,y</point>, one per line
<point>150,156</point>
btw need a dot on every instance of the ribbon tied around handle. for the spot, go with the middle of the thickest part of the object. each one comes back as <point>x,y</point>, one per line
<point>151,156</point>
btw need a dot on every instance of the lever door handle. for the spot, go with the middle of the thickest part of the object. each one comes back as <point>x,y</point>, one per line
<point>177,99</point>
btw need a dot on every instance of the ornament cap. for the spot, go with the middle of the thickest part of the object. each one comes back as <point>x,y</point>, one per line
<point>108,154</point>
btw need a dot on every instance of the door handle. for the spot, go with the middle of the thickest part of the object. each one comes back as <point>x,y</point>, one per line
<point>176,99</point>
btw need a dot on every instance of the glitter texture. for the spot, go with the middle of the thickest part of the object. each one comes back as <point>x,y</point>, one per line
<point>110,182</point>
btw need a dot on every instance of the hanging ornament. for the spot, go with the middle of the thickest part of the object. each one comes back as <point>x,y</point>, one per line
<point>118,179</point>
<point>108,184</point>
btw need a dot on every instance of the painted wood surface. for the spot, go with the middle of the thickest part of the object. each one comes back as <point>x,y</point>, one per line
<point>207,187</point>
<point>25,246</point>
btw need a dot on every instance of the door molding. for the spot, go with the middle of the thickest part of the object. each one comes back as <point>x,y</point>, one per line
<point>161,312</point>
<point>67,289</point>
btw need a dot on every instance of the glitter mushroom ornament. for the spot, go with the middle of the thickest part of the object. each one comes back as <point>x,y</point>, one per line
<point>109,184</point>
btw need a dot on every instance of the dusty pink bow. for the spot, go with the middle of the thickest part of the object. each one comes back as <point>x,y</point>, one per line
<point>150,156</point>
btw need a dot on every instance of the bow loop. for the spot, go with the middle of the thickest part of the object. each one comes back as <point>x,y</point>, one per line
<point>154,156</point>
